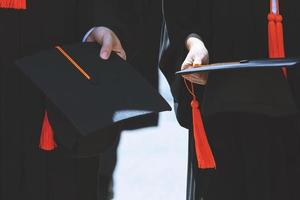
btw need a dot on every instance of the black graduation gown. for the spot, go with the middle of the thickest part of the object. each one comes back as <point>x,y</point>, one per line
<point>140,22</point>
<point>250,116</point>
<point>26,171</point>
<point>139,26</point>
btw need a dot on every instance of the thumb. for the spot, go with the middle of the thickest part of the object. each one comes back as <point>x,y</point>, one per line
<point>107,45</point>
<point>188,62</point>
<point>197,61</point>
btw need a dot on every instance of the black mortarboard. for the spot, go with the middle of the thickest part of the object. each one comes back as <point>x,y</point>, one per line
<point>88,98</point>
<point>204,153</point>
<point>244,64</point>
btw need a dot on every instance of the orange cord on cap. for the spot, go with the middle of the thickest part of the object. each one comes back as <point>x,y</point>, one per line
<point>77,66</point>
<point>275,34</point>
<point>204,153</point>
<point>13,4</point>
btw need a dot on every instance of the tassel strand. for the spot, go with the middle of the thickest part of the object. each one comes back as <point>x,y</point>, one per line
<point>13,4</point>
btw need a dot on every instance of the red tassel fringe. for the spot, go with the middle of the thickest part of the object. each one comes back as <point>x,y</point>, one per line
<point>47,141</point>
<point>204,154</point>
<point>13,4</point>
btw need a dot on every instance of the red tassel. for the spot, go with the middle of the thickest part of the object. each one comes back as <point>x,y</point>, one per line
<point>47,142</point>
<point>204,154</point>
<point>273,49</point>
<point>13,4</point>
<point>275,33</point>
<point>205,157</point>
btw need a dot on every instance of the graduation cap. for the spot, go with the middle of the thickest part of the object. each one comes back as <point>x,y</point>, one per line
<point>244,64</point>
<point>204,153</point>
<point>87,97</point>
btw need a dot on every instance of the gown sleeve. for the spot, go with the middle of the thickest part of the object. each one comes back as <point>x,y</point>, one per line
<point>181,20</point>
<point>97,13</point>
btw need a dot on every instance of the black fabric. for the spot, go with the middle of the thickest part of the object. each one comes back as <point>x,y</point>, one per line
<point>256,158</point>
<point>105,178</point>
<point>24,168</point>
<point>27,172</point>
<point>249,114</point>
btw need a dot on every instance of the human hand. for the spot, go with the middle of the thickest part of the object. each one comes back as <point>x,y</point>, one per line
<point>109,41</point>
<point>197,56</point>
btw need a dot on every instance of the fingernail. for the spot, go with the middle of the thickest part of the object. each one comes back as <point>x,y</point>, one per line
<point>104,55</point>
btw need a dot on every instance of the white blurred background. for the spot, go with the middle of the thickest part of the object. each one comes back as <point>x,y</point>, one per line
<point>152,162</point>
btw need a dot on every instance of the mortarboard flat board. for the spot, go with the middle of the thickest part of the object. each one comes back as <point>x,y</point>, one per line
<point>244,64</point>
<point>87,97</point>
